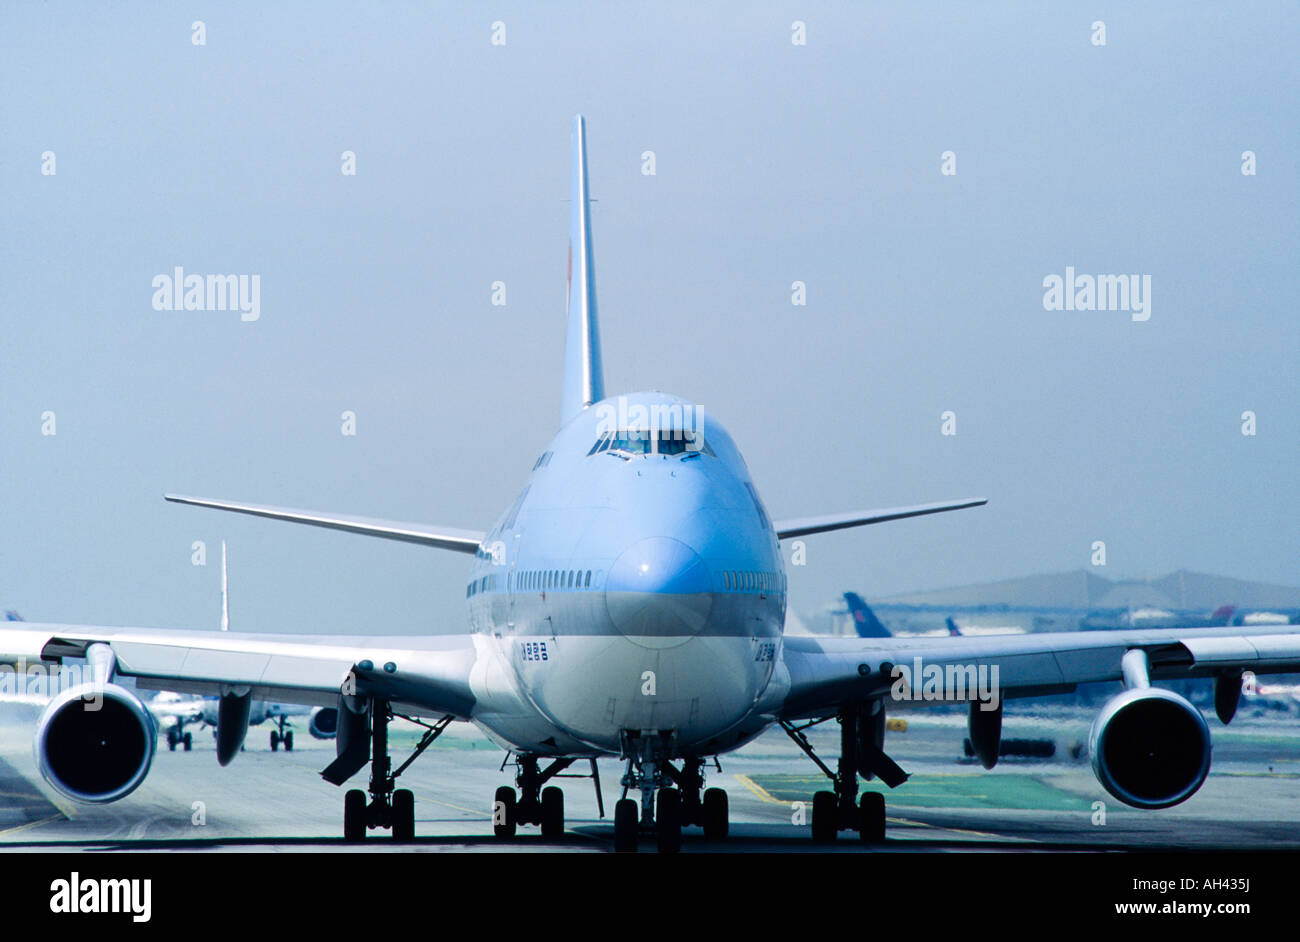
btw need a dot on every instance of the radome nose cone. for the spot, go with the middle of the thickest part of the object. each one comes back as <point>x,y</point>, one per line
<point>659,564</point>
<point>659,587</point>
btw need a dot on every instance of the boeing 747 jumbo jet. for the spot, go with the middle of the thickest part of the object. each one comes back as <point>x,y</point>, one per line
<point>630,603</point>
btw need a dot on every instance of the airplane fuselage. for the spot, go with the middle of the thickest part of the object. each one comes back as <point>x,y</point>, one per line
<point>632,587</point>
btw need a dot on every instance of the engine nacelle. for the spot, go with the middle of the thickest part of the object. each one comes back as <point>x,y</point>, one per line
<point>94,754</point>
<point>1150,748</point>
<point>324,723</point>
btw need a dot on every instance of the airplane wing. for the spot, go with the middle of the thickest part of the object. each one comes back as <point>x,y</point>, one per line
<point>802,526</point>
<point>461,541</point>
<point>429,675</point>
<point>827,672</point>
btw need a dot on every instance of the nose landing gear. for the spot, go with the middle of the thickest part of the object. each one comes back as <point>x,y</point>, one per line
<point>665,809</point>
<point>177,737</point>
<point>282,735</point>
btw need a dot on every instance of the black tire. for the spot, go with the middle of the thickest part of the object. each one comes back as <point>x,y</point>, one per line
<point>668,821</point>
<point>871,823</point>
<point>692,808</point>
<point>715,814</point>
<point>503,812</point>
<point>403,814</point>
<point>824,822</point>
<point>171,744</point>
<point>552,812</point>
<point>188,740</point>
<point>626,825</point>
<point>288,740</point>
<point>275,741</point>
<point>354,816</point>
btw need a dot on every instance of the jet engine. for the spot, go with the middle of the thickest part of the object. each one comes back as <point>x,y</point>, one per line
<point>1150,748</point>
<point>324,723</point>
<point>95,743</point>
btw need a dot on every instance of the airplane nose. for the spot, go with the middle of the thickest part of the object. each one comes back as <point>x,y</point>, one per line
<point>660,589</point>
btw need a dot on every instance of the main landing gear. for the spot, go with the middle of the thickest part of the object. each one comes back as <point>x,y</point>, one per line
<point>862,733</point>
<point>664,809</point>
<point>533,803</point>
<point>282,735</point>
<point>176,737</point>
<point>387,806</point>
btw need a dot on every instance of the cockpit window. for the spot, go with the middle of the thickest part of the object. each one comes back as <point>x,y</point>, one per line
<point>682,442</point>
<point>632,441</point>
<point>643,442</point>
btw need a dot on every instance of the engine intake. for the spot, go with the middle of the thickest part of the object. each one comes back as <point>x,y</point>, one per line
<point>324,723</point>
<point>95,755</point>
<point>1150,748</point>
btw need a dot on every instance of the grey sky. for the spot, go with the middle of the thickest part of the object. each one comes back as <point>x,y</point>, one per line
<point>775,163</point>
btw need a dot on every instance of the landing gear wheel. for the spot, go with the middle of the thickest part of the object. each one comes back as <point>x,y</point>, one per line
<point>275,741</point>
<point>715,814</point>
<point>626,824</point>
<point>668,821</point>
<point>872,820</point>
<point>824,823</point>
<point>503,812</point>
<point>403,814</point>
<point>288,740</point>
<point>188,740</point>
<point>552,812</point>
<point>354,815</point>
<point>171,742</point>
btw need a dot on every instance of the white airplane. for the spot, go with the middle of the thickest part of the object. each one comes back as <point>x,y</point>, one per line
<point>172,711</point>
<point>321,720</point>
<point>630,602</point>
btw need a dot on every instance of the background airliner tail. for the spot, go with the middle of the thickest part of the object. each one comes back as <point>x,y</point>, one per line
<point>865,622</point>
<point>584,381</point>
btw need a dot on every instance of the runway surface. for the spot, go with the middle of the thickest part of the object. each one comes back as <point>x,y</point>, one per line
<point>273,801</point>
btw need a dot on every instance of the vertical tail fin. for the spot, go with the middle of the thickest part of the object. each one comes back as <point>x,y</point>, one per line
<point>865,621</point>
<point>584,381</point>
<point>953,630</point>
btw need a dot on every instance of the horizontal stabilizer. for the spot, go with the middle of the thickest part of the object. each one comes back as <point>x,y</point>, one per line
<point>860,518</point>
<point>461,541</point>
